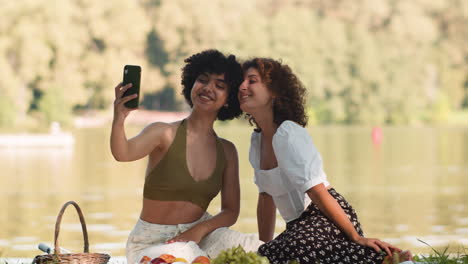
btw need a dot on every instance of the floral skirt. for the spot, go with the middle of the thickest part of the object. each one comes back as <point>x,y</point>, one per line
<point>313,238</point>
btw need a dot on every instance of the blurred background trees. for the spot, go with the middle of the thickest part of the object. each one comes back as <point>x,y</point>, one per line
<point>363,61</point>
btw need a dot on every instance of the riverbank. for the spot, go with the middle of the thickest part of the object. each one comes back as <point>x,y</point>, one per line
<point>142,117</point>
<point>137,117</point>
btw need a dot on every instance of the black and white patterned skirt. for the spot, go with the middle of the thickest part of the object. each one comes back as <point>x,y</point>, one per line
<point>313,238</point>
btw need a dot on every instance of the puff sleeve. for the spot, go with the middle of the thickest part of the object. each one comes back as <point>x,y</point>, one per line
<point>297,156</point>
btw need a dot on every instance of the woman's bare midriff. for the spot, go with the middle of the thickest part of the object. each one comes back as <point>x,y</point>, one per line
<point>170,212</point>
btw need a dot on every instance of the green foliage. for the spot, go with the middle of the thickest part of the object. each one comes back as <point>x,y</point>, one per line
<point>7,112</point>
<point>441,109</point>
<point>164,100</point>
<point>155,52</point>
<point>237,255</point>
<point>371,62</point>
<point>54,107</point>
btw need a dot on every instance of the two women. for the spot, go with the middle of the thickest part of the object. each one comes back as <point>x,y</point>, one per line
<point>188,164</point>
<point>321,227</point>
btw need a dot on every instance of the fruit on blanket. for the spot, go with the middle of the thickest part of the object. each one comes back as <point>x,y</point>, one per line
<point>158,261</point>
<point>180,260</point>
<point>145,260</point>
<point>201,260</point>
<point>167,257</point>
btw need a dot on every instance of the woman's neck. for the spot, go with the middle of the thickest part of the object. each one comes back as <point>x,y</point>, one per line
<point>201,123</point>
<point>264,120</point>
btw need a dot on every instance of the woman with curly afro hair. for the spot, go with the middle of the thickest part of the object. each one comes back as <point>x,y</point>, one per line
<point>321,227</point>
<point>188,164</point>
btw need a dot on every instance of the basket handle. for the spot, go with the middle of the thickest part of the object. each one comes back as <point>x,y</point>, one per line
<point>83,226</point>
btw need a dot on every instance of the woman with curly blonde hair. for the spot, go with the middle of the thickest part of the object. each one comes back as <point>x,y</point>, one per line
<point>321,227</point>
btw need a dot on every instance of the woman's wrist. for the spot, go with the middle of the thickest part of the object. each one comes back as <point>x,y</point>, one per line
<point>355,237</point>
<point>118,121</point>
<point>203,228</point>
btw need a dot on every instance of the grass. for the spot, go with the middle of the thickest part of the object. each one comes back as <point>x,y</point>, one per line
<point>442,257</point>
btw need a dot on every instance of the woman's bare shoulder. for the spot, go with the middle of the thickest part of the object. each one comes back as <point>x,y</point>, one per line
<point>163,126</point>
<point>162,130</point>
<point>229,148</point>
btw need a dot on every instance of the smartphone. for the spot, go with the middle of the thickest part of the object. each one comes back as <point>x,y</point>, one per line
<point>132,74</point>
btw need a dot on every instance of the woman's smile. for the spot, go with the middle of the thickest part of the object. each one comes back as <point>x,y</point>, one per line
<point>205,96</point>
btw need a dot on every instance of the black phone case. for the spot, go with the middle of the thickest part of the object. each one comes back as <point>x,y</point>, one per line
<point>132,74</point>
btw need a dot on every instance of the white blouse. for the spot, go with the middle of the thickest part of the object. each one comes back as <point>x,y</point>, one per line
<point>299,169</point>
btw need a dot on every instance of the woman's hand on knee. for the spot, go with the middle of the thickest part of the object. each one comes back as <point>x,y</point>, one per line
<point>377,245</point>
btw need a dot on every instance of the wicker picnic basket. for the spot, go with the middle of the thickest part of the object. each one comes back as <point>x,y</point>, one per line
<point>83,258</point>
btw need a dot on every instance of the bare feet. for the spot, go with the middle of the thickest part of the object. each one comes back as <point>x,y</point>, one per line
<point>398,257</point>
<point>405,255</point>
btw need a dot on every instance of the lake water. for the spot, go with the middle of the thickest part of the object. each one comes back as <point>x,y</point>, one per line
<point>413,186</point>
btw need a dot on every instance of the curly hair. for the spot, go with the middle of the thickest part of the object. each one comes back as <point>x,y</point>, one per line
<point>214,62</point>
<point>288,90</point>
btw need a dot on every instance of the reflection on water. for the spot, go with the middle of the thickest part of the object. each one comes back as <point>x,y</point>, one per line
<point>413,186</point>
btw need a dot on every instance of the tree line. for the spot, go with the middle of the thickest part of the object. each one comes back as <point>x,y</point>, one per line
<point>363,61</point>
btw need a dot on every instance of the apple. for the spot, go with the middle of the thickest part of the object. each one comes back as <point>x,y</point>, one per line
<point>201,260</point>
<point>158,261</point>
<point>145,260</point>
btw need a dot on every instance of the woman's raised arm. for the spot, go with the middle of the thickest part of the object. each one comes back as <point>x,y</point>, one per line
<point>139,146</point>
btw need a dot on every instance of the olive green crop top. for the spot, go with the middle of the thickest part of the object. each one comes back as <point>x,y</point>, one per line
<point>170,180</point>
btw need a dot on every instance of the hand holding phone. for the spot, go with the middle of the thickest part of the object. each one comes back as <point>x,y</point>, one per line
<point>132,74</point>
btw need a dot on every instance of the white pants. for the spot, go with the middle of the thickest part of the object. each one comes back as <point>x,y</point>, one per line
<point>145,235</point>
